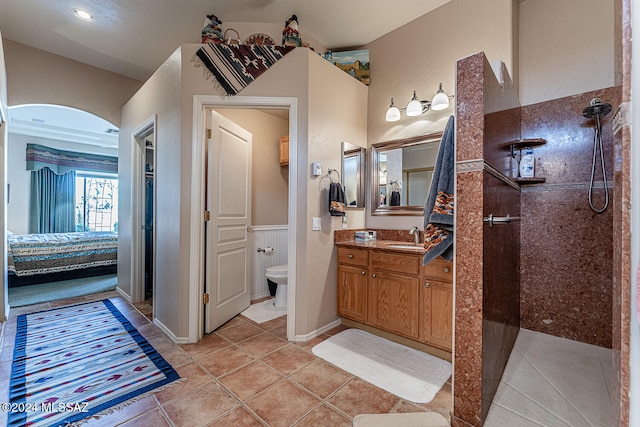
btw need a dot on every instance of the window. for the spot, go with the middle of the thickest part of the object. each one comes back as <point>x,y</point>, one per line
<point>96,203</point>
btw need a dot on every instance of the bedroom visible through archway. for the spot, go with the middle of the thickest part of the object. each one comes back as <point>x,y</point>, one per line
<point>62,178</point>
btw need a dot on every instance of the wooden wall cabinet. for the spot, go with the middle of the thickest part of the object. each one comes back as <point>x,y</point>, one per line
<point>284,150</point>
<point>392,291</point>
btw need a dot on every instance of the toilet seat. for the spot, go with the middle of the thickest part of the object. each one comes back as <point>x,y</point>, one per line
<point>277,272</point>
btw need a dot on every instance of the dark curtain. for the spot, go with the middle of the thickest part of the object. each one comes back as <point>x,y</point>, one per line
<point>52,202</point>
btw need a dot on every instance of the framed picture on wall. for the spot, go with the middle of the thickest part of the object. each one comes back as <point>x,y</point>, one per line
<point>353,62</point>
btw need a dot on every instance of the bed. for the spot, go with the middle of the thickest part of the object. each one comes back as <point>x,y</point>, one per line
<point>39,258</point>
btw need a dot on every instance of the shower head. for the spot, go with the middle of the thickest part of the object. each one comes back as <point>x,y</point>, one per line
<point>596,108</point>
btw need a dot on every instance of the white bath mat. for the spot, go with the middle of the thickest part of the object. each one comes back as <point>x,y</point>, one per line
<point>263,311</point>
<point>406,372</point>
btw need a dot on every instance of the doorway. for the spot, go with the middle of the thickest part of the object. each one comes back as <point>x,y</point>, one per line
<point>143,218</point>
<point>201,104</point>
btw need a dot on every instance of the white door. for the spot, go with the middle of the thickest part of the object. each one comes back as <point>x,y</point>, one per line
<point>229,203</point>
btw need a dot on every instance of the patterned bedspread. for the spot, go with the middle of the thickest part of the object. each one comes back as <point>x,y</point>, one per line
<point>31,254</point>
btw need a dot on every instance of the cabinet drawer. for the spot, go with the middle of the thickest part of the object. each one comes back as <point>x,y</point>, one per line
<point>353,256</point>
<point>399,263</point>
<point>439,269</point>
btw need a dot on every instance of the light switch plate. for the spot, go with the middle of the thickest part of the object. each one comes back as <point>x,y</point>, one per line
<point>317,168</point>
<point>316,223</point>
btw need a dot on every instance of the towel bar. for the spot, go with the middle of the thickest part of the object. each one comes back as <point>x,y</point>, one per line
<point>500,219</point>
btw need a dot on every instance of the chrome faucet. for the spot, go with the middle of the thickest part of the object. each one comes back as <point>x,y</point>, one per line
<point>416,234</point>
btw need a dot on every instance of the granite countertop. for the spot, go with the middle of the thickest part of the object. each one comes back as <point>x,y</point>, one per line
<point>386,245</point>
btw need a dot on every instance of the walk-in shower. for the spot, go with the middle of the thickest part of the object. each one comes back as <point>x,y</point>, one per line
<point>596,110</point>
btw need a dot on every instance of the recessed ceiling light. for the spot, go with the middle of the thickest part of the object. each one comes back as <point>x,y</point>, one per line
<point>84,15</point>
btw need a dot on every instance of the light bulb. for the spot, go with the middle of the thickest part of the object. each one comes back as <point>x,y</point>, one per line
<point>414,107</point>
<point>440,100</point>
<point>393,114</point>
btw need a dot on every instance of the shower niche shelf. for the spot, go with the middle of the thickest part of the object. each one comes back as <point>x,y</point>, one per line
<point>519,145</point>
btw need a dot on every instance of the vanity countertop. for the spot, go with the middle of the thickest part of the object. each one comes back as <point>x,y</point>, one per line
<point>386,245</point>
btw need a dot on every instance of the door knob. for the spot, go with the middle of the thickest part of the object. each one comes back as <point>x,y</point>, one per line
<point>373,275</point>
<point>427,284</point>
<point>350,256</point>
<point>363,273</point>
<point>446,269</point>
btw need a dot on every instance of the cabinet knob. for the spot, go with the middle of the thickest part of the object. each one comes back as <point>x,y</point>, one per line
<point>373,275</point>
<point>350,256</point>
<point>446,269</point>
<point>363,273</point>
<point>427,284</point>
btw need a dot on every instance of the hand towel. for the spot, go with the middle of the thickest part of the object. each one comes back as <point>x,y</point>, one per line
<point>395,198</point>
<point>336,199</point>
<point>439,207</point>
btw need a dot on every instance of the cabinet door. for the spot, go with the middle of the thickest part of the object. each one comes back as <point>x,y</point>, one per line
<point>284,150</point>
<point>352,292</point>
<point>436,300</point>
<point>393,303</point>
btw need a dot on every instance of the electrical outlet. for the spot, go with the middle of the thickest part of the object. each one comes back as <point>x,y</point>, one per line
<point>316,223</point>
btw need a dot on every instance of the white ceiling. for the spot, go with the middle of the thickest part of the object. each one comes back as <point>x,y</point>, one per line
<point>134,37</point>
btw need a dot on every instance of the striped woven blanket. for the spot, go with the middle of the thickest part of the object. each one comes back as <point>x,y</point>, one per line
<point>235,66</point>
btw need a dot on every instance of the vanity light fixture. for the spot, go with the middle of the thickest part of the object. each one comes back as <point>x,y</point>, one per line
<point>416,107</point>
<point>83,15</point>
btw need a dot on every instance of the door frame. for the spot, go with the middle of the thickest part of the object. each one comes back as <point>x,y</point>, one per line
<point>196,247</point>
<point>147,127</point>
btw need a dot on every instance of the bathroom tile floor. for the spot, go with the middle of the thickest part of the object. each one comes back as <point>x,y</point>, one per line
<point>556,382</point>
<point>243,374</point>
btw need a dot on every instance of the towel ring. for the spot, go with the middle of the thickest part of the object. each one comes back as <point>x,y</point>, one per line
<point>337,173</point>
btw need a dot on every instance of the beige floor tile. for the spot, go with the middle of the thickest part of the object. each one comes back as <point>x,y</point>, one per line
<point>200,406</point>
<point>250,379</point>
<point>278,322</point>
<point>262,344</point>
<point>175,356</point>
<point>191,376</point>
<point>324,416</point>
<point>239,417</point>
<point>321,378</point>
<point>360,397</point>
<point>289,359</point>
<point>206,345</point>
<point>226,360</point>
<point>283,404</point>
<point>240,332</point>
<point>153,418</point>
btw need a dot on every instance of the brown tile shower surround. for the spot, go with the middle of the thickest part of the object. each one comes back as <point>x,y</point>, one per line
<point>487,283</point>
<point>567,249</point>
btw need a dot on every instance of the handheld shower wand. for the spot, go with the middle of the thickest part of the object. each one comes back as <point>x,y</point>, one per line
<point>596,110</point>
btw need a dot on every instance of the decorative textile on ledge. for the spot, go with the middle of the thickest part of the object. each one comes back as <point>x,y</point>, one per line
<point>235,66</point>
<point>61,162</point>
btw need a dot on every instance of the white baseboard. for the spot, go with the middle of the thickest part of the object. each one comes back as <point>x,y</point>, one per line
<point>123,294</point>
<point>317,332</point>
<point>168,333</point>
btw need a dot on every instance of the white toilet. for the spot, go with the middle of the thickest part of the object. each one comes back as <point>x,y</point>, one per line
<point>279,274</point>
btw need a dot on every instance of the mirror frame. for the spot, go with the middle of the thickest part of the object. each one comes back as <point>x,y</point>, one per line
<point>376,208</point>
<point>361,154</point>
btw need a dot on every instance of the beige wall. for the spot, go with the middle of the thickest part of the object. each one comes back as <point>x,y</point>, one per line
<point>269,180</point>
<point>331,108</point>
<point>566,48</point>
<point>422,54</point>
<point>159,96</point>
<point>38,77</point>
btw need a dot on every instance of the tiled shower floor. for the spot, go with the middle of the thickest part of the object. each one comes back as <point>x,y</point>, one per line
<point>555,382</point>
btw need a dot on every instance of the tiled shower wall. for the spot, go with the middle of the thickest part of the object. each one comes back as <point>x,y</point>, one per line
<point>567,249</point>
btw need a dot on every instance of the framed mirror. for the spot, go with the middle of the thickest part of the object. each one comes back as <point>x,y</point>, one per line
<point>401,172</point>
<point>353,174</point>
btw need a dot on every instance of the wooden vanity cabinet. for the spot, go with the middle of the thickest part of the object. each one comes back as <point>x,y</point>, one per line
<point>352,283</point>
<point>436,302</point>
<point>393,292</point>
